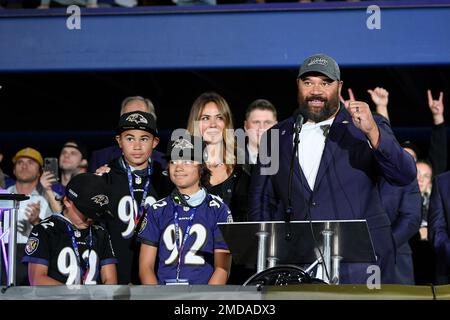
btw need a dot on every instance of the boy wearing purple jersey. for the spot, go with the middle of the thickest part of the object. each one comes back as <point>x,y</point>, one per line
<point>181,230</point>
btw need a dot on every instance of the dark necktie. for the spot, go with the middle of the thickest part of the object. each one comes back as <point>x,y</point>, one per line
<point>325,128</point>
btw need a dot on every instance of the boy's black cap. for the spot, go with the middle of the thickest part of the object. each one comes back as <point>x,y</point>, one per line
<point>137,120</point>
<point>90,195</point>
<point>187,147</point>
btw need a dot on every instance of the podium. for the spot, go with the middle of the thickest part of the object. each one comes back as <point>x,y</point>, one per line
<point>10,202</point>
<point>318,243</point>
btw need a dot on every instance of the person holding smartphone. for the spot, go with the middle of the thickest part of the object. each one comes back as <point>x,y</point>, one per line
<point>72,161</point>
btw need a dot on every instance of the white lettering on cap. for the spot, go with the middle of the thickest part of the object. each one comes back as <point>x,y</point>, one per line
<point>73,193</point>
<point>320,61</point>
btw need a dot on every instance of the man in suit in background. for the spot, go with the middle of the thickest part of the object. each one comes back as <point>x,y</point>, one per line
<point>259,116</point>
<point>439,226</point>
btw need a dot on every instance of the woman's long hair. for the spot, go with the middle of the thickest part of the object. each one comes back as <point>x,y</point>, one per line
<point>228,145</point>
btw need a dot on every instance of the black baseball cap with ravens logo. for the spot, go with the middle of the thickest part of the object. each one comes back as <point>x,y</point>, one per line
<point>137,120</point>
<point>187,147</point>
<point>90,195</point>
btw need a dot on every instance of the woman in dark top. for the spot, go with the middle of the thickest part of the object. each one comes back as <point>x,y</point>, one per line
<point>211,118</point>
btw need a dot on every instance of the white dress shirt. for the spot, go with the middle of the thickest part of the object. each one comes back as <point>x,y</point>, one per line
<point>310,149</point>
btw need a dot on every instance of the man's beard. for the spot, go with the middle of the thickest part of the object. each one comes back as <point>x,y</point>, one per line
<point>329,108</point>
<point>26,179</point>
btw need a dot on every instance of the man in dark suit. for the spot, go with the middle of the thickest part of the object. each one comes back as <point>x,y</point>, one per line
<point>439,226</point>
<point>404,208</point>
<point>342,153</point>
<point>402,204</point>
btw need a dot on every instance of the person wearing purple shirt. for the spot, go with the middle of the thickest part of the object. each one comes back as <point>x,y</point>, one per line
<point>181,230</point>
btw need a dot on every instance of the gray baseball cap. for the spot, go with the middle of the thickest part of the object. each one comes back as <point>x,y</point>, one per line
<point>320,63</point>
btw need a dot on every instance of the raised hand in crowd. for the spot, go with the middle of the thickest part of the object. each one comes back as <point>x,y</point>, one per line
<point>380,98</point>
<point>436,107</point>
<point>47,180</point>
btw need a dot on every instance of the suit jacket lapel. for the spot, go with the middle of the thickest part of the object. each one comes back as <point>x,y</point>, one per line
<point>336,133</point>
<point>285,158</point>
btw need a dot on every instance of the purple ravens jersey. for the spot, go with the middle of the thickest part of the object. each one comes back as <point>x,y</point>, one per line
<point>197,256</point>
<point>50,244</point>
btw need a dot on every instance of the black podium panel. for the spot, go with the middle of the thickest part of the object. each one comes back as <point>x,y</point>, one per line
<point>351,240</point>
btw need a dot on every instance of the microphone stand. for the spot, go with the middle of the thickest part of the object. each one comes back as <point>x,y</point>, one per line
<point>289,210</point>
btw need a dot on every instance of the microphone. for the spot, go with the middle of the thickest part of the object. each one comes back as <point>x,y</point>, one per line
<point>300,118</point>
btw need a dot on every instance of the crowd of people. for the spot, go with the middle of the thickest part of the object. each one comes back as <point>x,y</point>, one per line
<point>46,4</point>
<point>141,216</point>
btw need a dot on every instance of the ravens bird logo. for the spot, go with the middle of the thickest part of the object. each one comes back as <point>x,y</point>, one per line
<point>143,225</point>
<point>32,245</point>
<point>100,199</point>
<point>182,143</point>
<point>137,118</point>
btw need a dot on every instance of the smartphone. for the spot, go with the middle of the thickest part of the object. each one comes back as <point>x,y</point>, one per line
<point>51,164</point>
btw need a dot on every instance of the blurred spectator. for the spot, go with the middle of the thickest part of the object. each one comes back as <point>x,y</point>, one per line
<point>3,176</point>
<point>424,257</point>
<point>27,169</point>
<point>300,1</point>
<point>439,218</point>
<point>126,3</point>
<point>155,3</point>
<point>402,204</point>
<point>45,4</point>
<point>5,180</point>
<point>187,3</point>
<point>260,116</point>
<point>422,252</point>
<point>72,160</point>
<point>424,177</point>
<point>437,153</point>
